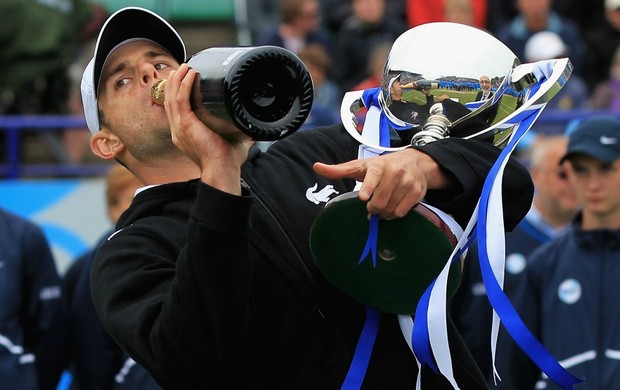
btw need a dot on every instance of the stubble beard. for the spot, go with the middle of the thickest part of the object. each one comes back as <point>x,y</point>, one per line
<point>152,145</point>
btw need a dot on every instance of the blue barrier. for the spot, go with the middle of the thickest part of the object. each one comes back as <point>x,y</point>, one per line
<point>13,166</point>
<point>13,125</point>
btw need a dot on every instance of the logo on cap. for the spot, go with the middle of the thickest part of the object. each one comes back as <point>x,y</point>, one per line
<point>608,140</point>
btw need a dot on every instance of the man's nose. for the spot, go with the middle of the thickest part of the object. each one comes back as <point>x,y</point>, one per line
<point>147,73</point>
<point>596,178</point>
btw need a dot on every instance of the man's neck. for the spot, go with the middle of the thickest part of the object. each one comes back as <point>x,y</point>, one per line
<point>544,223</point>
<point>169,171</point>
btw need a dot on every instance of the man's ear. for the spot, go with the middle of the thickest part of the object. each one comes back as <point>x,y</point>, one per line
<point>106,144</point>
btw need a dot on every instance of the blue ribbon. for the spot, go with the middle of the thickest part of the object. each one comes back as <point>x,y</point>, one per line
<point>501,304</point>
<point>359,365</point>
<point>371,242</point>
<point>420,341</point>
<point>419,338</point>
<point>420,333</point>
<point>361,358</point>
<point>370,97</point>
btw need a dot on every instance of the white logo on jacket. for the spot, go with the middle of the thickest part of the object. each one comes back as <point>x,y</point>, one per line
<point>569,291</point>
<point>320,196</point>
<point>515,263</point>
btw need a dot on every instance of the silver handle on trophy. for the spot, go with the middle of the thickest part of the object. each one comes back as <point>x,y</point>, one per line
<point>555,74</point>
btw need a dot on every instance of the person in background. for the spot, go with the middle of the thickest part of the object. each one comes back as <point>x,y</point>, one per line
<point>606,94</point>
<point>538,15</point>
<point>485,88</point>
<point>553,208</point>
<point>299,27</point>
<point>602,40</point>
<point>378,57</point>
<point>336,12</point>
<point>75,140</point>
<point>32,331</point>
<point>327,96</point>
<point>376,63</point>
<point>548,45</point>
<point>261,16</point>
<point>465,12</point>
<point>485,93</point>
<point>94,359</point>
<point>39,40</point>
<point>568,296</point>
<point>586,15</point>
<point>470,12</point>
<point>368,26</point>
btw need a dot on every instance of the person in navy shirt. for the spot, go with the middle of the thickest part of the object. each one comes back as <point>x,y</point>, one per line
<point>31,323</point>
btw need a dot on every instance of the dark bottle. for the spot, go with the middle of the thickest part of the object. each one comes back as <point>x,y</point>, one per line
<point>266,91</point>
<point>419,85</point>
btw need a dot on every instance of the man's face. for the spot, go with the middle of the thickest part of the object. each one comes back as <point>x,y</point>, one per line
<point>534,8</point>
<point>597,185</point>
<point>369,11</point>
<point>485,84</point>
<point>125,101</point>
<point>309,16</point>
<point>613,17</point>
<point>554,193</point>
<point>396,91</point>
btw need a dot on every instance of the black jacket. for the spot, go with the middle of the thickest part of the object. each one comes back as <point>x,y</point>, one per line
<point>490,112</point>
<point>95,360</point>
<point>210,290</point>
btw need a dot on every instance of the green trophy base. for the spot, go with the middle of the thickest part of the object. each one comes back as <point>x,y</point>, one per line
<point>411,252</point>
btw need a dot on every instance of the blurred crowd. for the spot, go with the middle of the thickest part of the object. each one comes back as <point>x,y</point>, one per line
<point>344,44</point>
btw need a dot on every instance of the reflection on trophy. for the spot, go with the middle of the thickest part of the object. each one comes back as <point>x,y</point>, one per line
<point>421,85</point>
<point>449,74</point>
<point>415,108</point>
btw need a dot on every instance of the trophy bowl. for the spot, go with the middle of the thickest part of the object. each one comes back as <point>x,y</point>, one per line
<point>432,84</point>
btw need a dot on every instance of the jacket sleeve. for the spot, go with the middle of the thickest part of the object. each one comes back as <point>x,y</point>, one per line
<point>177,296</point>
<point>468,162</point>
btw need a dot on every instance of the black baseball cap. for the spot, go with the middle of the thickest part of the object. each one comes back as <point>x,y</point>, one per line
<point>598,137</point>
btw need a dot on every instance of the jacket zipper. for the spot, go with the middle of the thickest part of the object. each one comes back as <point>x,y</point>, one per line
<point>289,242</point>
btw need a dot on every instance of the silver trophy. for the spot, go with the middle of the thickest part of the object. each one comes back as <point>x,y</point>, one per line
<point>440,80</point>
<point>431,88</point>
